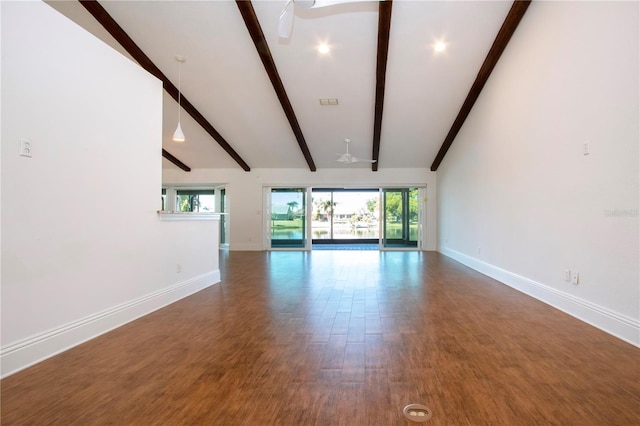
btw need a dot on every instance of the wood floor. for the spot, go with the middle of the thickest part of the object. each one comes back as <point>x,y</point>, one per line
<point>338,338</point>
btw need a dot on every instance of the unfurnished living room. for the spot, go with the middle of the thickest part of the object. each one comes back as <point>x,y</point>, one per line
<point>320,212</point>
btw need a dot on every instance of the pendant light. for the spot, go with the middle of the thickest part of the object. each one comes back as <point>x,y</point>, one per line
<point>178,135</point>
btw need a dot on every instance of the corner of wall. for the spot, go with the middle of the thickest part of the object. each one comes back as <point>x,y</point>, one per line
<point>621,326</point>
<point>27,352</point>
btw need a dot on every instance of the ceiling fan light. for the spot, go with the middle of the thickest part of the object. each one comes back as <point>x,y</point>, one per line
<point>344,158</point>
<point>178,135</point>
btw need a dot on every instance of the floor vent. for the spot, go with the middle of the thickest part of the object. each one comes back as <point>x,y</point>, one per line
<point>417,413</point>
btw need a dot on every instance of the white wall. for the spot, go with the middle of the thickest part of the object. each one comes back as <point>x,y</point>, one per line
<point>518,200</point>
<point>83,249</point>
<point>245,189</point>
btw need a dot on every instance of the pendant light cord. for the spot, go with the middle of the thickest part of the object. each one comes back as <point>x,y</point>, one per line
<point>178,135</point>
<point>179,87</point>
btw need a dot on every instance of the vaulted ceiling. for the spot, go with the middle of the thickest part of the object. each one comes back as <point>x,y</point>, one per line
<point>256,96</point>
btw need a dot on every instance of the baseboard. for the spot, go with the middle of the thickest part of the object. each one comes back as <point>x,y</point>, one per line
<point>618,325</point>
<point>25,353</point>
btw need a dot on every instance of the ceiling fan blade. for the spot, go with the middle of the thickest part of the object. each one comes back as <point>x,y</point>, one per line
<point>305,4</point>
<point>362,160</point>
<point>285,25</point>
<point>313,4</point>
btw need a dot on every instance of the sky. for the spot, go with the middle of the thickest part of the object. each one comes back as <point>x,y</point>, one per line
<point>346,202</point>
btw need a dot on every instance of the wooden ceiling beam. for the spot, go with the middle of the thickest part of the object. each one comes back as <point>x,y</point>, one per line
<point>500,43</point>
<point>175,161</point>
<point>384,27</point>
<point>255,30</point>
<point>109,24</point>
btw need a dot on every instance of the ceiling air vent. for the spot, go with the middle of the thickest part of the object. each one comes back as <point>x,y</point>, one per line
<point>331,101</point>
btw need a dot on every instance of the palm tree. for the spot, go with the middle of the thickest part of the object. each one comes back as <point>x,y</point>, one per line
<point>326,206</point>
<point>292,205</point>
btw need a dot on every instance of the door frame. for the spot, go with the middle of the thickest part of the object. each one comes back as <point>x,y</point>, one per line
<point>420,224</point>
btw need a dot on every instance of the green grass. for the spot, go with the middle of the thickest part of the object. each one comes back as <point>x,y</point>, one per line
<point>287,224</point>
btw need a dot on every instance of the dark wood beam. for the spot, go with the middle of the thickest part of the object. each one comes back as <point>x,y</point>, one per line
<point>175,161</point>
<point>500,43</point>
<point>384,26</point>
<point>109,24</point>
<point>255,30</point>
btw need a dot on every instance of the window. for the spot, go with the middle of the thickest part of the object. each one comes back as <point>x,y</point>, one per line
<point>195,200</point>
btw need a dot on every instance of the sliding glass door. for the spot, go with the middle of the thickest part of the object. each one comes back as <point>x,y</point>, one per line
<point>288,217</point>
<point>345,216</point>
<point>401,224</point>
<point>303,217</point>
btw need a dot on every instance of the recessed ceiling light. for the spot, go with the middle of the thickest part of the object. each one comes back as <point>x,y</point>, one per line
<point>440,46</point>
<point>323,48</point>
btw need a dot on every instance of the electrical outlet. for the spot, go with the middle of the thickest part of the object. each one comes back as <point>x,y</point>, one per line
<point>575,279</point>
<point>26,147</point>
<point>178,268</point>
<point>585,148</point>
<point>567,275</point>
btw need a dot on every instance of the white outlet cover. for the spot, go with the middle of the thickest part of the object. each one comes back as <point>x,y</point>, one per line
<point>26,147</point>
<point>574,278</point>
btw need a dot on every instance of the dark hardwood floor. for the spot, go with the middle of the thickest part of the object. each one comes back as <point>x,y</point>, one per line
<point>338,338</point>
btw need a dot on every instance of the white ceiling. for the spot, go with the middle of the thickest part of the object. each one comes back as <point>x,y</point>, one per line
<point>224,78</point>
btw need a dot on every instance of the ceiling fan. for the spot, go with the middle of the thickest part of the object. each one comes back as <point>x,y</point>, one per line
<point>285,26</point>
<point>347,158</point>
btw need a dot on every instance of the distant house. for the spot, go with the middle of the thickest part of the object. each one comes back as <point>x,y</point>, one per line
<point>279,212</point>
<point>342,213</point>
